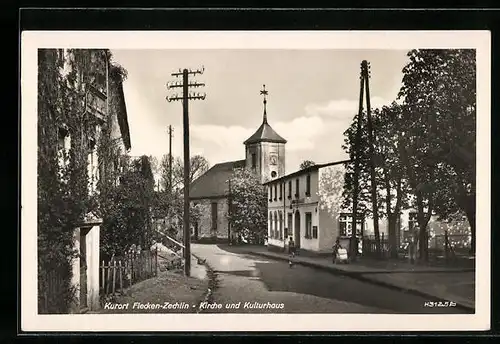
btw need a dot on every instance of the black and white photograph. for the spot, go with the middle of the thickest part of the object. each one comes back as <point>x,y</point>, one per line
<point>342,177</point>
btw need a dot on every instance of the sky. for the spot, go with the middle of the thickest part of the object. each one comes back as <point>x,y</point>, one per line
<point>313,97</point>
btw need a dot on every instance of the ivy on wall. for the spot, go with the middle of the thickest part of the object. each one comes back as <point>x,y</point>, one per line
<point>64,81</point>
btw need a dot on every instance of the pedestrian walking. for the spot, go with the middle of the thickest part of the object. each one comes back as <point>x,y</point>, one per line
<point>291,252</point>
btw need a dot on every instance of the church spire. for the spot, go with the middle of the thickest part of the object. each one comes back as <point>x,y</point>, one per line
<point>264,93</point>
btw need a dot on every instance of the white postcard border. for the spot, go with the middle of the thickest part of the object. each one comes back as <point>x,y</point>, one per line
<point>33,40</point>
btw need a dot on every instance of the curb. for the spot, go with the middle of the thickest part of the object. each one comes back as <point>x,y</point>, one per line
<point>360,277</point>
<point>212,284</point>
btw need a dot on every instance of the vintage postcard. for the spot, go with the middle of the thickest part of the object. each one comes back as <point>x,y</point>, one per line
<point>255,181</point>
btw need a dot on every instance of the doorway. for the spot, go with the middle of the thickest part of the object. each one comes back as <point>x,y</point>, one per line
<point>296,231</point>
<point>289,226</point>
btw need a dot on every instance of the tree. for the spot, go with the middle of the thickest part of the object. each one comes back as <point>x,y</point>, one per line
<point>331,188</point>
<point>248,215</point>
<point>306,163</point>
<point>391,190</point>
<point>198,166</point>
<point>171,203</point>
<point>127,216</point>
<point>439,118</point>
<point>392,172</point>
<point>356,144</point>
<point>155,164</point>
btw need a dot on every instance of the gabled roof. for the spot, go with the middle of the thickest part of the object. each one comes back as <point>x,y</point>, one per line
<point>213,183</point>
<point>265,134</point>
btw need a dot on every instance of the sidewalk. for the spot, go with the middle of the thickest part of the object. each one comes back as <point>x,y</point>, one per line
<point>446,283</point>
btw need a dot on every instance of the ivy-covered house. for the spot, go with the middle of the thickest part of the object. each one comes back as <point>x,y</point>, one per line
<point>82,132</point>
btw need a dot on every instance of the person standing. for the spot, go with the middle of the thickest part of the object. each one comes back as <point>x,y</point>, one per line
<point>291,251</point>
<point>335,248</point>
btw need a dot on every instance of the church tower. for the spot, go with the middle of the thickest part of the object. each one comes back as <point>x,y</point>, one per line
<point>265,150</point>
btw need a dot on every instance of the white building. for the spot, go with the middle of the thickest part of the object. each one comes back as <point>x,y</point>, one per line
<point>306,205</point>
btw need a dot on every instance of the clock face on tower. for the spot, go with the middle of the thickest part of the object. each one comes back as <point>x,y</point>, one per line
<point>273,159</point>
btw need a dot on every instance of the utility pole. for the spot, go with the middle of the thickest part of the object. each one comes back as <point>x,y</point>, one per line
<point>170,186</point>
<point>365,67</point>
<point>186,96</point>
<point>357,142</point>
<point>230,206</point>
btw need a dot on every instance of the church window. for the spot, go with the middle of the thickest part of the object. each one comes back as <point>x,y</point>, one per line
<point>270,193</point>
<point>289,189</point>
<point>275,191</point>
<point>254,160</point>
<point>281,191</point>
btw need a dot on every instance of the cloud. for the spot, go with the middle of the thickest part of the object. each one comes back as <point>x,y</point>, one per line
<point>224,143</point>
<point>219,143</point>
<point>301,133</point>
<point>342,109</point>
<point>221,135</point>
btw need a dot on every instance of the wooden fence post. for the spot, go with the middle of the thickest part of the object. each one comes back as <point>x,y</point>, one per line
<point>107,278</point>
<point>156,261</point>
<point>102,276</point>
<point>120,276</point>
<point>114,277</point>
<point>138,264</point>
<point>132,273</point>
<point>446,247</point>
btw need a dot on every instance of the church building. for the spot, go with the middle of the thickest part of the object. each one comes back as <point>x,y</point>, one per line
<point>264,155</point>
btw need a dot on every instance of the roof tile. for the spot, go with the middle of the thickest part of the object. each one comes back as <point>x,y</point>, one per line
<point>213,183</point>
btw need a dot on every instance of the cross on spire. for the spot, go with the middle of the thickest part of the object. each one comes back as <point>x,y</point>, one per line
<point>264,93</point>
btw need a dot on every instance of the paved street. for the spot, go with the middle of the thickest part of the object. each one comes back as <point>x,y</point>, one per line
<point>247,278</point>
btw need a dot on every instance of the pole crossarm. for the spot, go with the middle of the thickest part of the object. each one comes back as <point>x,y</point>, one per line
<point>191,96</point>
<point>189,72</point>
<point>185,98</point>
<point>178,84</point>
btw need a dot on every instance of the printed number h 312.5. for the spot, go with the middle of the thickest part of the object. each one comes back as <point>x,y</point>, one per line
<point>440,304</point>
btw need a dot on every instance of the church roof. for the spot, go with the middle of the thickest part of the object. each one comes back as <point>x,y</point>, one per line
<point>213,183</point>
<point>265,134</point>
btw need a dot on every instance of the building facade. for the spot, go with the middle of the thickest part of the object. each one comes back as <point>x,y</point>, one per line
<point>305,206</point>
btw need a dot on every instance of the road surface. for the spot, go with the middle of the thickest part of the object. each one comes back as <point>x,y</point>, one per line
<point>252,284</point>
